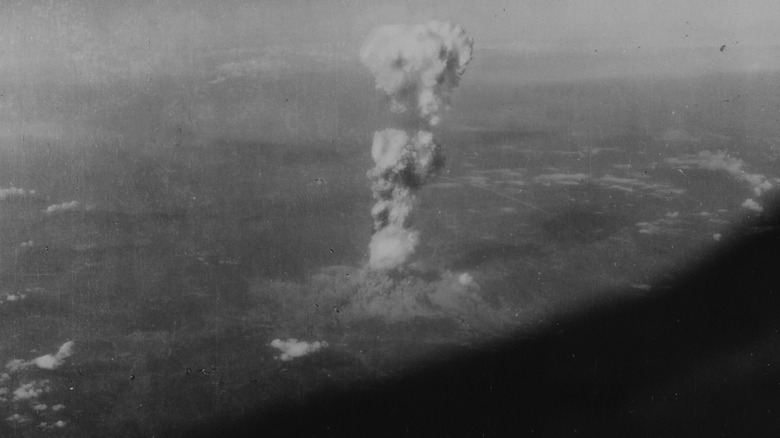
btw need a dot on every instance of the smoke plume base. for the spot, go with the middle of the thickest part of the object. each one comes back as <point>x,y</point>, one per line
<point>339,296</point>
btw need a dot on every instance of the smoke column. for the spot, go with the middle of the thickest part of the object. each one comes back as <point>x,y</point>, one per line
<point>417,67</point>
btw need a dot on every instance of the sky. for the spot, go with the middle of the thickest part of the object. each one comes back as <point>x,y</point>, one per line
<point>131,35</point>
<point>71,69</point>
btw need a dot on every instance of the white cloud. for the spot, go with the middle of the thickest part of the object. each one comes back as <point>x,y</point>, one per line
<point>465,279</point>
<point>752,205</point>
<point>631,184</point>
<point>50,362</point>
<point>16,418</point>
<point>721,161</point>
<point>65,206</point>
<point>635,182</point>
<point>30,390</point>
<point>14,365</point>
<point>666,225</point>
<point>648,228</point>
<point>14,192</point>
<point>292,348</point>
<point>47,361</point>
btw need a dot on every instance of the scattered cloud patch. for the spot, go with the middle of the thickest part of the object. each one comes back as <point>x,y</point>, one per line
<point>648,228</point>
<point>292,348</point>
<point>665,225</point>
<point>486,178</point>
<point>31,390</point>
<point>51,362</point>
<point>465,279</point>
<point>59,424</point>
<point>65,206</point>
<point>752,205</point>
<point>15,297</point>
<point>564,179</point>
<point>721,161</point>
<point>621,188</point>
<point>14,192</point>
<point>14,365</point>
<point>47,361</point>
<point>16,418</point>
<point>635,183</point>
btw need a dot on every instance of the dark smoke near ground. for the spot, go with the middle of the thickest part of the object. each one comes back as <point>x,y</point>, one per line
<point>345,295</point>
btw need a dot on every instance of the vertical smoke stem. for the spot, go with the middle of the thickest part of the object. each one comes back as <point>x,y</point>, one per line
<point>417,66</point>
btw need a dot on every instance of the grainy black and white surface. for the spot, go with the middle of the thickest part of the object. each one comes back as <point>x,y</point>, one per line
<point>185,218</point>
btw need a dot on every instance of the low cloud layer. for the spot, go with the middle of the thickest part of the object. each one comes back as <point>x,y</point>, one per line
<point>735,167</point>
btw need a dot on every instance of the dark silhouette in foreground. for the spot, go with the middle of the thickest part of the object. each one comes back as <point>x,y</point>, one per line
<point>700,357</point>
